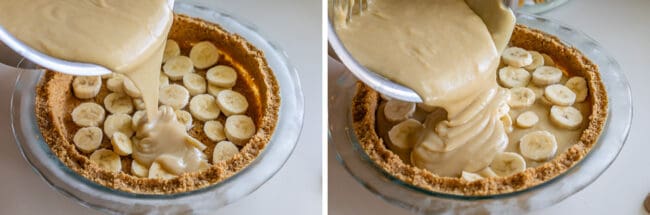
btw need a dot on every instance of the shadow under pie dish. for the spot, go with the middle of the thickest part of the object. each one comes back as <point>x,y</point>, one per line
<point>367,105</point>
<point>55,102</point>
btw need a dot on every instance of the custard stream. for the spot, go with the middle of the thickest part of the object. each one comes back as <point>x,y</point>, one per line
<point>125,36</point>
<point>448,54</point>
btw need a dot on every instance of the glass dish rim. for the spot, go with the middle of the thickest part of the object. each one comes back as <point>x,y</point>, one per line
<point>298,106</point>
<point>352,138</point>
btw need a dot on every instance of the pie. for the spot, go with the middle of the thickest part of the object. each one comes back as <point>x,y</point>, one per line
<point>372,135</point>
<point>255,81</point>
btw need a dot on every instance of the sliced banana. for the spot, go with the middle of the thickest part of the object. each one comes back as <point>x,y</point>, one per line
<point>470,177</point>
<point>130,88</point>
<point>546,75</point>
<point>86,87</point>
<point>88,139</point>
<point>404,135</point>
<point>223,151</point>
<point>88,114</point>
<point>107,76</point>
<point>122,144</point>
<point>521,97</point>
<point>239,128</point>
<point>156,171</point>
<point>184,118</point>
<point>195,84</point>
<point>548,61</point>
<point>511,77</point>
<point>560,95</point>
<point>538,60</point>
<point>539,92</point>
<point>538,145</point>
<point>191,141</point>
<point>397,111</point>
<point>508,163</point>
<point>516,57</point>
<point>566,117</point>
<point>174,95</point>
<point>204,54</point>
<point>222,76</point>
<point>527,119</point>
<point>204,107</point>
<point>507,123</point>
<point>116,83</point>
<point>139,104</point>
<point>231,102</point>
<point>579,86</point>
<point>107,159</point>
<point>487,172</point>
<point>118,122</point>
<point>214,90</point>
<point>139,170</point>
<point>163,80</point>
<point>214,130</point>
<point>118,103</point>
<point>172,49</point>
<point>176,67</point>
<point>136,118</point>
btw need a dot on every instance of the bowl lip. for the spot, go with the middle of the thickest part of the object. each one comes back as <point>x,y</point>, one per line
<point>352,138</point>
<point>296,117</point>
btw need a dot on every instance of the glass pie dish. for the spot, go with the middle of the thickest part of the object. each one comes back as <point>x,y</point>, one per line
<point>68,182</point>
<point>355,160</point>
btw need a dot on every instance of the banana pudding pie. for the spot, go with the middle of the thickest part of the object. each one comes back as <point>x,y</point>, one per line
<point>505,107</point>
<point>218,102</point>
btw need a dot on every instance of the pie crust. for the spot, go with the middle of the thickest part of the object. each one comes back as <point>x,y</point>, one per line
<point>256,81</point>
<point>366,101</point>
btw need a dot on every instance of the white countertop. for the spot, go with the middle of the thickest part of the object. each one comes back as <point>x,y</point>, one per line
<point>622,28</point>
<point>296,188</point>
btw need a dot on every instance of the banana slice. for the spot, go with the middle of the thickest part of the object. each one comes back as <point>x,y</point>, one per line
<point>204,54</point>
<point>214,90</point>
<point>470,177</point>
<point>527,119</point>
<point>521,97</point>
<point>560,95</point>
<point>164,80</point>
<point>116,83</point>
<point>130,88</point>
<point>86,87</point>
<point>397,111</point>
<point>88,114</point>
<point>546,75</point>
<point>214,130</point>
<point>88,139</point>
<point>223,151</point>
<point>566,117</point>
<point>118,122</point>
<point>172,49</point>
<point>122,144</point>
<point>195,84</point>
<point>538,60</point>
<point>139,104</point>
<point>184,118</point>
<point>137,117</point>
<point>548,61</point>
<point>109,75</point>
<point>156,171</point>
<point>404,135</point>
<point>107,159</point>
<point>222,76</point>
<point>516,57</point>
<point>118,103</point>
<point>507,123</point>
<point>231,102</point>
<point>538,145</point>
<point>176,67</point>
<point>539,92</point>
<point>511,77</point>
<point>204,107</point>
<point>425,108</point>
<point>508,163</point>
<point>579,86</point>
<point>487,172</point>
<point>189,140</point>
<point>174,95</point>
<point>139,170</point>
<point>239,128</point>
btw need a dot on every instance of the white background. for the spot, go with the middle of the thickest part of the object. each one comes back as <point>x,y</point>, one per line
<point>296,189</point>
<point>623,28</point>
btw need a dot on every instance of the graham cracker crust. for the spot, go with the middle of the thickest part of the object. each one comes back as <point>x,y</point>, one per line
<point>366,100</point>
<point>256,81</point>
